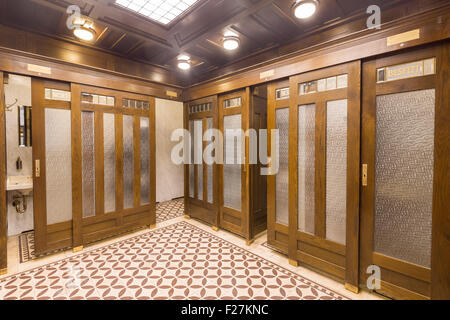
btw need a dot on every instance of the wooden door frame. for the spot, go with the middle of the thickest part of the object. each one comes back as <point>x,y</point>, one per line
<point>243,110</point>
<point>3,206</point>
<point>348,254</point>
<point>274,228</point>
<point>438,276</point>
<point>195,208</point>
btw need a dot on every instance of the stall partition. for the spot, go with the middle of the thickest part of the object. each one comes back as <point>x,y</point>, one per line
<point>201,180</point>
<point>242,210</point>
<point>94,164</point>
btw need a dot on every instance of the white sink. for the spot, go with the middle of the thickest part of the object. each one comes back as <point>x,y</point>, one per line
<point>23,184</point>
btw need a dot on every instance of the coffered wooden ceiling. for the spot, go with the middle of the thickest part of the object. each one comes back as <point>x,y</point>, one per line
<point>262,25</point>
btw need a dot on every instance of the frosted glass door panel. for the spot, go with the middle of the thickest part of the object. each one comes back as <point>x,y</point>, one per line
<point>191,166</point>
<point>336,171</point>
<point>128,160</point>
<point>109,162</point>
<point>145,161</point>
<point>404,175</point>
<point>198,148</point>
<point>306,167</point>
<point>282,177</point>
<point>232,183</point>
<point>209,170</point>
<point>88,163</point>
<point>58,165</point>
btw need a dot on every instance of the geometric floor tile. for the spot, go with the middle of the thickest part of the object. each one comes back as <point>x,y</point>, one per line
<point>169,210</point>
<point>164,211</point>
<point>180,261</point>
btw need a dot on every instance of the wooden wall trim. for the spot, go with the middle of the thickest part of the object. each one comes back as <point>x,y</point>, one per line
<point>3,214</point>
<point>77,206</point>
<point>434,26</point>
<point>16,61</point>
<point>440,251</point>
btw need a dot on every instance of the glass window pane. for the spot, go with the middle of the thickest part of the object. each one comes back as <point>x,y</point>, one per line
<point>282,177</point>
<point>191,166</point>
<point>306,167</point>
<point>232,183</point>
<point>336,171</point>
<point>109,162</point>
<point>404,175</point>
<point>128,160</point>
<point>145,161</point>
<point>88,163</point>
<point>58,165</point>
<point>210,168</point>
<point>198,145</point>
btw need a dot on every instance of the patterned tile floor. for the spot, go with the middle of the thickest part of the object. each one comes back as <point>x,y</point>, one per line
<point>164,211</point>
<point>179,261</point>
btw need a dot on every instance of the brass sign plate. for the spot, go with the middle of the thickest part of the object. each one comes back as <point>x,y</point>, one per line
<point>403,37</point>
<point>267,74</point>
<point>172,94</point>
<point>39,69</point>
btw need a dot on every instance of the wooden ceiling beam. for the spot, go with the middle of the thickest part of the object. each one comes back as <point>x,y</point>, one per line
<point>139,34</point>
<point>218,27</point>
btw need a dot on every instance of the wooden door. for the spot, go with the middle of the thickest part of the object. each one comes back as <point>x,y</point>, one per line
<point>234,178</point>
<point>258,181</point>
<point>324,171</point>
<point>405,138</point>
<point>116,177</point>
<point>52,165</point>
<point>201,185</point>
<point>278,182</point>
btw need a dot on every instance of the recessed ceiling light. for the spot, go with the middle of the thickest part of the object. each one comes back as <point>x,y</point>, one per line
<point>184,62</point>
<point>231,42</point>
<point>304,9</point>
<point>84,29</point>
<point>163,11</point>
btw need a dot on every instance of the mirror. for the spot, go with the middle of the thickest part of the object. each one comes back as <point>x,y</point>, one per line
<point>24,119</point>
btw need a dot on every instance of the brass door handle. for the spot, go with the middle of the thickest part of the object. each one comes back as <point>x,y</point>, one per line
<point>364,175</point>
<point>37,168</point>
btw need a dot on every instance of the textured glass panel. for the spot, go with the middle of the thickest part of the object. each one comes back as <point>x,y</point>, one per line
<point>128,159</point>
<point>306,167</point>
<point>191,166</point>
<point>58,165</point>
<point>282,177</point>
<point>145,162</point>
<point>209,170</point>
<point>109,161</point>
<point>198,145</point>
<point>404,175</point>
<point>88,163</point>
<point>336,171</point>
<point>232,183</point>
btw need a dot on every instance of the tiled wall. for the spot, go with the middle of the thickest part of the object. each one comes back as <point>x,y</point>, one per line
<point>169,177</point>
<point>18,87</point>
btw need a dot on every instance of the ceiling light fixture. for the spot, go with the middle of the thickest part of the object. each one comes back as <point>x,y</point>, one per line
<point>304,9</point>
<point>184,62</point>
<point>231,42</point>
<point>84,29</point>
